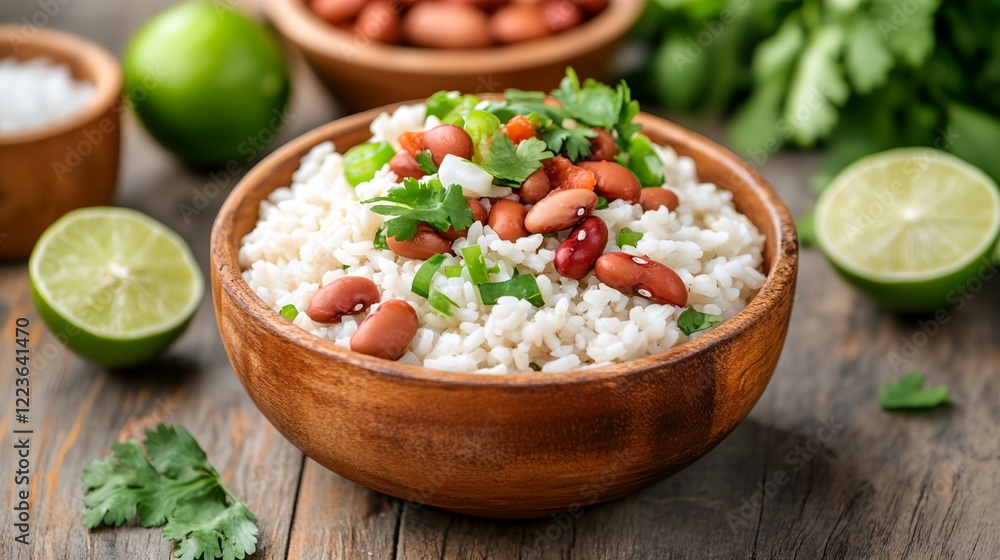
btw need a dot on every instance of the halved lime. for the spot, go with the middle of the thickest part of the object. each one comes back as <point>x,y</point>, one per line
<point>114,284</point>
<point>912,227</point>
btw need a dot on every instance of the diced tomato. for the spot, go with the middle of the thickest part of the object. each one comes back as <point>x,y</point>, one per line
<point>519,129</point>
<point>563,174</point>
<point>411,142</point>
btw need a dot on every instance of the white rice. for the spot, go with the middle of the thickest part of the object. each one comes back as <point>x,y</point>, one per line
<point>317,231</point>
<point>38,92</point>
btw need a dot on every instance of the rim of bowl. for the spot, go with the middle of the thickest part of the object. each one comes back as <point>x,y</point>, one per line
<point>299,25</point>
<point>62,47</point>
<point>779,281</point>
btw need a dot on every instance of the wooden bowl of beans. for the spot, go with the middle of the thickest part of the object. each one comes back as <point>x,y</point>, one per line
<point>517,445</point>
<point>373,52</point>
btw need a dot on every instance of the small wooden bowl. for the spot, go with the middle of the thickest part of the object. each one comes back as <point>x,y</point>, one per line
<point>73,163</point>
<point>505,446</point>
<point>363,75</point>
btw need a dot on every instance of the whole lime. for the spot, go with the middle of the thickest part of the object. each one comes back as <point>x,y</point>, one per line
<point>208,83</point>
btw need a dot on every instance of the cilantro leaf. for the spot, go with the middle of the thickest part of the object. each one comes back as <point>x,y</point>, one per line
<point>426,163</point>
<point>909,393</point>
<point>506,162</point>
<point>212,530</point>
<point>428,202</point>
<point>691,321</point>
<point>818,87</point>
<point>173,484</point>
<point>576,141</point>
<point>593,103</point>
<point>867,58</point>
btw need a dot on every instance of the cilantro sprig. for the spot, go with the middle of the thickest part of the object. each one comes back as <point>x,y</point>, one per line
<point>691,321</point>
<point>415,202</point>
<point>172,484</point>
<point>909,393</point>
<point>512,164</point>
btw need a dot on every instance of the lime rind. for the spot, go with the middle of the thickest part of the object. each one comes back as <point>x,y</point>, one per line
<point>911,227</point>
<point>69,271</point>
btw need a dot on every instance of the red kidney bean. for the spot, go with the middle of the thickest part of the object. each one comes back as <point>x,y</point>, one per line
<point>576,256</point>
<point>336,11</point>
<point>535,187</point>
<point>424,245</point>
<point>379,20</point>
<point>515,23</point>
<point>447,139</point>
<point>652,198</point>
<point>404,165</point>
<point>507,219</point>
<point>561,14</point>
<point>447,25</point>
<point>602,146</point>
<point>478,214</point>
<point>560,210</point>
<point>639,276</point>
<point>613,181</point>
<point>349,295</point>
<point>387,331</point>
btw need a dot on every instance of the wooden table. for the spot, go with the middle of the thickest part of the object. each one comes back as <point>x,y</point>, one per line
<point>818,470</point>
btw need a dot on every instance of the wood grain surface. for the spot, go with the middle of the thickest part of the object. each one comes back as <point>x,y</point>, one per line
<point>919,485</point>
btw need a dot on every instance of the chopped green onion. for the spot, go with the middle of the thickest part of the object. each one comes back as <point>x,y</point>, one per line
<point>534,366</point>
<point>422,280</point>
<point>380,241</point>
<point>628,237</point>
<point>452,271</point>
<point>441,303</point>
<point>362,161</point>
<point>442,102</point>
<point>476,264</point>
<point>493,269</point>
<point>522,287</point>
<point>426,163</point>
<point>289,312</point>
<point>602,203</point>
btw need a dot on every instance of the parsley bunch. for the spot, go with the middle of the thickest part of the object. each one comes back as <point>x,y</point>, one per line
<point>859,76</point>
<point>173,485</point>
<point>415,202</point>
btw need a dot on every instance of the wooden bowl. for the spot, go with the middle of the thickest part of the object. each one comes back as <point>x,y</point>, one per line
<point>363,75</point>
<point>49,171</point>
<point>505,446</point>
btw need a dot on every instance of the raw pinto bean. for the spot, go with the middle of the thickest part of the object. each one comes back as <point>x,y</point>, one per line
<point>447,25</point>
<point>560,210</point>
<point>613,181</point>
<point>639,276</point>
<point>336,11</point>
<point>387,331</point>
<point>515,23</point>
<point>424,245</point>
<point>561,14</point>
<point>507,219</point>
<point>349,295</point>
<point>404,165</point>
<point>535,187</point>
<point>602,146</point>
<point>447,139</point>
<point>478,213</point>
<point>652,198</point>
<point>379,20</point>
<point>576,256</point>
